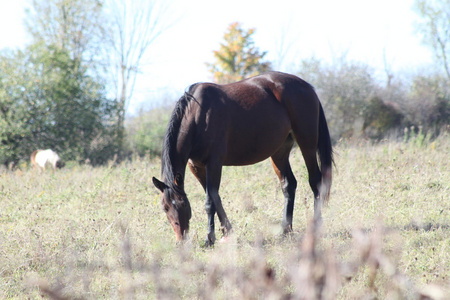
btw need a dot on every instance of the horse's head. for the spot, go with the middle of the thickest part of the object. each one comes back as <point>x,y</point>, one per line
<point>176,205</point>
<point>60,164</point>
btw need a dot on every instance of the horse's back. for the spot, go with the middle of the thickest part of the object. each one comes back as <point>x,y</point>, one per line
<point>267,91</point>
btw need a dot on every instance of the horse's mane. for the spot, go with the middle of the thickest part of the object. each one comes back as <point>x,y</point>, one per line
<point>170,139</point>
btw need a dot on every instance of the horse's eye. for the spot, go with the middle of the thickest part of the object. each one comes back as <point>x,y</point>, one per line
<point>166,208</point>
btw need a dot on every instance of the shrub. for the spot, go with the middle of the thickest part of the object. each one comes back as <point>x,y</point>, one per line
<point>381,117</point>
<point>145,132</point>
<point>343,89</point>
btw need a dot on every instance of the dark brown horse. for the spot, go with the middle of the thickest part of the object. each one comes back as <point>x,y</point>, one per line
<point>239,124</point>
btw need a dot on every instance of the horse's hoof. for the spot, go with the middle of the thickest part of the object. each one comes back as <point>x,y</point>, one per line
<point>287,231</point>
<point>208,244</point>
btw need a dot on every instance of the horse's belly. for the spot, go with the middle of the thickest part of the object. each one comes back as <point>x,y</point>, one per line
<point>249,157</point>
<point>246,147</point>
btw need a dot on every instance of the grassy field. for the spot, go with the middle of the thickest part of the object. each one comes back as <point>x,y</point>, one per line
<point>95,233</point>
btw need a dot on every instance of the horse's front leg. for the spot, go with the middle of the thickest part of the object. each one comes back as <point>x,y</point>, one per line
<point>213,201</point>
<point>214,204</point>
<point>199,171</point>
<point>210,211</point>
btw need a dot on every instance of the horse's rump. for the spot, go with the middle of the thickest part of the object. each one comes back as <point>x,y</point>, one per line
<point>33,158</point>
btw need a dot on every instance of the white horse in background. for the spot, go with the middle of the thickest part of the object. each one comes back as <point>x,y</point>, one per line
<point>41,158</point>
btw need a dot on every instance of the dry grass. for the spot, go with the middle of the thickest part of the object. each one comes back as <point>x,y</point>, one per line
<point>93,233</point>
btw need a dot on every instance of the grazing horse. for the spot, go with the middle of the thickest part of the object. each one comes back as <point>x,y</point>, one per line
<point>41,158</point>
<point>239,124</point>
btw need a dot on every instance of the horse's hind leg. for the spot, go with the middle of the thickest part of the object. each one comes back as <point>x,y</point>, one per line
<point>282,167</point>
<point>315,176</point>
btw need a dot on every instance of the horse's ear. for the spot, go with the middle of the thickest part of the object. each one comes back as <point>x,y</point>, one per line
<point>159,185</point>
<point>179,180</point>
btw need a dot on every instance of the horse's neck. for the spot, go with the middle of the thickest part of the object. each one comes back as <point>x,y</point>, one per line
<point>176,165</point>
<point>179,152</point>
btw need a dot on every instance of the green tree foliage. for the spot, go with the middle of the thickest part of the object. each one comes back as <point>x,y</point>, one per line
<point>435,29</point>
<point>13,106</point>
<point>238,57</point>
<point>109,37</point>
<point>54,95</point>
<point>49,101</point>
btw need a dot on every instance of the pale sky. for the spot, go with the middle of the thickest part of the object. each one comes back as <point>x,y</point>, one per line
<point>326,29</point>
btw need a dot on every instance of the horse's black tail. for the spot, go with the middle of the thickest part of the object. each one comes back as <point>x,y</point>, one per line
<point>325,150</point>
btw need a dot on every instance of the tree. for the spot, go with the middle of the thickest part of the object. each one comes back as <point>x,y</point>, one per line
<point>435,28</point>
<point>429,103</point>
<point>108,37</point>
<point>130,28</point>
<point>79,109</point>
<point>48,100</point>
<point>238,57</point>
<point>72,25</point>
<point>12,109</point>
